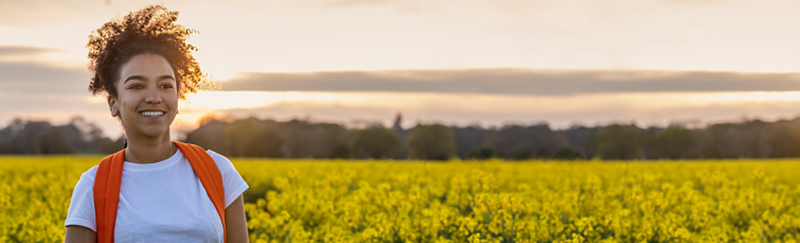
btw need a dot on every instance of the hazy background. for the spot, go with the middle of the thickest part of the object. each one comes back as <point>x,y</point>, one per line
<point>453,62</point>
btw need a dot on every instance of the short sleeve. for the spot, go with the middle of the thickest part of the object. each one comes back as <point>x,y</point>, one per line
<point>232,182</point>
<point>81,207</point>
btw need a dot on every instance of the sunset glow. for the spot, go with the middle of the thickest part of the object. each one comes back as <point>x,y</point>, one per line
<point>218,100</point>
<point>350,60</point>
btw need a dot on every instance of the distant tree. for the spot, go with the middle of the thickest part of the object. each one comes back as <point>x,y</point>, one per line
<point>675,143</point>
<point>55,140</point>
<point>750,139</point>
<point>756,135</point>
<point>482,153</point>
<point>253,138</point>
<point>518,142</point>
<point>302,139</point>
<point>618,142</point>
<point>375,143</point>
<point>25,137</point>
<point>336,139</point>
<point>402,134</point>
<point>519,153</point>
<point>39,137</point>
<point>108,146</point>
<point>542,153</point>
<point>579,137</point>
<point>240,138</point>
<point>468,139</point>
<point>648,136</point>
<point>431,142</point>
<point>397,125</point>
<point>210,135</point>
<point>340,151</point>
<point>4,147</point>
<point>784,139</point>
<point>713,141</point>
<point>567,153</point>
<point>83,135</point>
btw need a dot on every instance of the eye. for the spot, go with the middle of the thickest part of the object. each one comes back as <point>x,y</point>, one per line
<point>135,86</point>
<point>166,86</point>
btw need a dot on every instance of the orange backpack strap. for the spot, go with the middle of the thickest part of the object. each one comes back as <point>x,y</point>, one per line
<point>209,175</point>
<point>109,177</point>
<point>106,195</point>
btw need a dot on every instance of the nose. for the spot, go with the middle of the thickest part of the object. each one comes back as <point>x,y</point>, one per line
<point>152,96</point>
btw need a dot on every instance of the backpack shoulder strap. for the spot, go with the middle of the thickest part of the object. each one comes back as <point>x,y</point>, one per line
<point>206,170</point>
<point>106,195</point>
<point>109,177</point>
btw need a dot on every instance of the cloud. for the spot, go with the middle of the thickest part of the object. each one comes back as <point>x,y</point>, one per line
<point>515,81</point>
<point>351,3</point>
<point>25,50</point>
<point>561,112</point>
<point>32,78</point>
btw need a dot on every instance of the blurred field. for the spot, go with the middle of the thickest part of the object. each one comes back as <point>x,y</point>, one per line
<point>494,201</point>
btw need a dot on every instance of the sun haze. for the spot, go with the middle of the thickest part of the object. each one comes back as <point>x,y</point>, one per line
<point>529,61</point>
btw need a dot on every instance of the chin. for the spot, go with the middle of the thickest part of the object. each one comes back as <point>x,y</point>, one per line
<point>155,132</point>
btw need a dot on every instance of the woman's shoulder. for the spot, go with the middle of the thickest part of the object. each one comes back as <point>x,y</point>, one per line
<point>217,157</point>
<point>222,162</point>
<point>233,183</point>
<point>89,174</point>
<point>86,182</point>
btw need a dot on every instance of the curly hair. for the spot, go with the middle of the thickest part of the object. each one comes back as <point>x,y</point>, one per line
<point>151,30</point>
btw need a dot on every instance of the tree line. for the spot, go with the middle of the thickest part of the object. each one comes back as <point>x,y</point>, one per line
<point>41,137</point>
<point>254,137</point>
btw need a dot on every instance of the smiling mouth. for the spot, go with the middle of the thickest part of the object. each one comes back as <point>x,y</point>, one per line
<point>151,113</point>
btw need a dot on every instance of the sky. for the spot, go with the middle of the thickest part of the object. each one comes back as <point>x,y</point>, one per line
<point>466,62</point>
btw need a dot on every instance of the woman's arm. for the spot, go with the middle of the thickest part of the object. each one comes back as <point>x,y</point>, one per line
<point>235,222</point>
<point>77,233</point>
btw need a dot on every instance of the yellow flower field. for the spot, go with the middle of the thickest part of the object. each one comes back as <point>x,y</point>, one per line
<point>495,201</point>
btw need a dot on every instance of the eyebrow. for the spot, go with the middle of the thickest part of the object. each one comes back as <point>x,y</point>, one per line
<point>142,78</point>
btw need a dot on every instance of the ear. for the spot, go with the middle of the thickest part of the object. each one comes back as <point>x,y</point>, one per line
<point>112,105</point>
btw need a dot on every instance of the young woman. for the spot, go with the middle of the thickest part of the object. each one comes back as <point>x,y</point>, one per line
<point>143,65</point>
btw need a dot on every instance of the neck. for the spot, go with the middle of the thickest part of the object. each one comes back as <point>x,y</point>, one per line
<point>144,150</point>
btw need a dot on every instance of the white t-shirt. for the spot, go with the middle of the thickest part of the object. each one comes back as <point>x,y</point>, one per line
<point>160,202</point>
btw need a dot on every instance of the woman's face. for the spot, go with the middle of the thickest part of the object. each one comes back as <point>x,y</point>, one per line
<point>147,96</point>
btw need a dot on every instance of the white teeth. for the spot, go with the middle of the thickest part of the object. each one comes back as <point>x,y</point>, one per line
<point>152,113</point>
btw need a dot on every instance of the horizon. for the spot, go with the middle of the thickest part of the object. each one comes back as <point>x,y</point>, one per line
<point>481,62</point>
